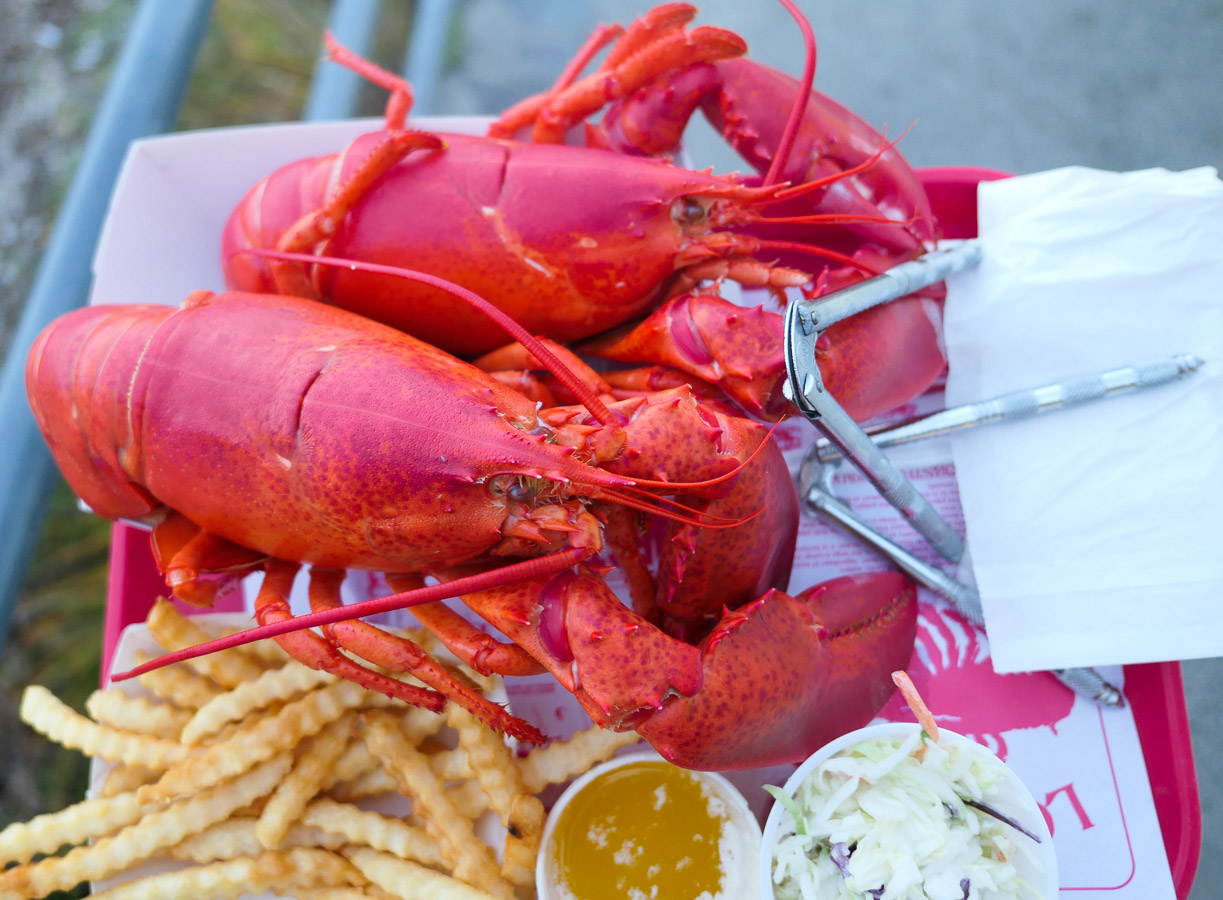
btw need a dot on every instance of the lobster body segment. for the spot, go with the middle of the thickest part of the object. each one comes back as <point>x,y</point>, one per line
<point>564,243</point>
<point>248,412</point>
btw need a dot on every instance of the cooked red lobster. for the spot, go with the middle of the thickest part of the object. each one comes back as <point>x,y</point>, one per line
<point>270,432</point>
<point>574,240</point>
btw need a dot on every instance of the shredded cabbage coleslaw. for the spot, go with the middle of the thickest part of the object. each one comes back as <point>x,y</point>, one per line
<point>903,819</point>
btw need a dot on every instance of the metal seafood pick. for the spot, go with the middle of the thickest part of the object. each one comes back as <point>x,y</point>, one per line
<point>1030,402</point>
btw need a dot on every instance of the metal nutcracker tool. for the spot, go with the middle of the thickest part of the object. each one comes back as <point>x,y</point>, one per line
<point>844,439</point>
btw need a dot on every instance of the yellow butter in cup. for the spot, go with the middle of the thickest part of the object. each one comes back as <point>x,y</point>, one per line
<point>639,826</point>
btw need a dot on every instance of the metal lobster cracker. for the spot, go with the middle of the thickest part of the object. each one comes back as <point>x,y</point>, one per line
<point>844,439</point>
<point>806,320</point>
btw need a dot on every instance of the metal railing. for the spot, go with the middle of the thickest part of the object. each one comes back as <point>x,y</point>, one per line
<point>143,99</point>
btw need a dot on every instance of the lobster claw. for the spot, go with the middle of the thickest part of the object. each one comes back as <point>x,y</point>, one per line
<point>773,682</point>
<point>705,335</point>
<point>784,675</point>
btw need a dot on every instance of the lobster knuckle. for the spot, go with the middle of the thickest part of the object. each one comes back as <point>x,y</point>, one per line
<point>607,443</point>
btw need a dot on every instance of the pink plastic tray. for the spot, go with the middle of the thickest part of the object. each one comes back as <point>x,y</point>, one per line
<point>1155,690</point>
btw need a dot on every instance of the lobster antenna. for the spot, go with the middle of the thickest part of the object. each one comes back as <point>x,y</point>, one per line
<point>822,252</point>
<point>807,187</point>
<point>835,219</point>
<point>782,156</point>
<point>580,389</point>
<point>699,519</point>
<point>530,568</point>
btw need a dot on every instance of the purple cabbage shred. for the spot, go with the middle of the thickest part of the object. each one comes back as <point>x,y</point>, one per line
<point>1001,817</point>
<point>840,856</point>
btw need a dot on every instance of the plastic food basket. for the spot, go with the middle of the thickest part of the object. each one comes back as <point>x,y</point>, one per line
<point>1155,690</point>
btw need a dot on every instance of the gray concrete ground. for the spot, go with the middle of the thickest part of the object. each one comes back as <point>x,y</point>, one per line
<point>1114,84</point>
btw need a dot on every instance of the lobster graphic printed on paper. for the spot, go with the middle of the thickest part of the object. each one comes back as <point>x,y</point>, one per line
<point>952,670</point>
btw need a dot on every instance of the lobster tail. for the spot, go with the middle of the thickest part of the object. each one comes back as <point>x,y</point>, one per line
<point>78,377</point>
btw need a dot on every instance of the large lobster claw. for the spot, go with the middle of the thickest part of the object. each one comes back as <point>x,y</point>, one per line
<point>772,682</point>
<point>785,675</point>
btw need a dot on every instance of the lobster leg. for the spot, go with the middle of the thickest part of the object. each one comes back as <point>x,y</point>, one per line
<point>651,379</point>
<point>318,225</point>
<point>482,652</point>
<point>399,104</point>
<point>308,648</point>
<point>517,358</point>
<point>647,29</point>
<point>672,49</point>
<point>523,113</point>
<point>399,654</point>
<point>183,551</point>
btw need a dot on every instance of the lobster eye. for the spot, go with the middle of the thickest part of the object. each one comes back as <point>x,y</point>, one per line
<point>689,212</point>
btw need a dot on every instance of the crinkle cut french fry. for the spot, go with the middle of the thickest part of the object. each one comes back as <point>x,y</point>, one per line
<point>408,880</point>
<point>272,686</point>
<point>561,760</point>
<point>499,778</point>
<point>367,784</point>
<point>117,709</point>
<point>303,783</point>
<point>281,870</point>
<point>343,893</point>
<point>451,765</point>
<point>418,724</point>
<point>525,833</point>
<point>48,715</point>
<point>123,778</point>
<point>471,859</point>
<point>357,774</point>
<point>362,827</point>
<point>174,631</point>
<point>468,799</point>
<point>489,759</point>
<point>155,831</point>
<point>235,837</point>
<point>178,684</point>
<point>98,817</point>
<point>269,735</point>
<point>354,762</point>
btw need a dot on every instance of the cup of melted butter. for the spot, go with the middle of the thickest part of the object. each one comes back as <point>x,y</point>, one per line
<point>638,827</point>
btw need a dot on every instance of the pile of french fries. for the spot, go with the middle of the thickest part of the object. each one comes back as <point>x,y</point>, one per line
<point>254,773</point>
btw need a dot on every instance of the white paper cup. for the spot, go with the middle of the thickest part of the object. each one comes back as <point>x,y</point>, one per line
<point>1011,797</point>
<point>547,875</point>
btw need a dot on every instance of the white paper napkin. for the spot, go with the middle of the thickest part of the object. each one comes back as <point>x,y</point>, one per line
<point>1097,532</point>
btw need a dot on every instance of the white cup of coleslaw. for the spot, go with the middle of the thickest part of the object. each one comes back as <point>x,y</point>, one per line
<point>1036,866</point>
